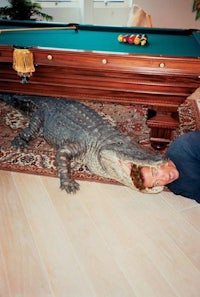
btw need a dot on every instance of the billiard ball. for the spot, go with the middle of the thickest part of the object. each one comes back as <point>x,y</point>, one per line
<point>137,40</point>
<point>120,38</point>
<point>131,39</point>
<point>125,38</point>
<point>143,40</point>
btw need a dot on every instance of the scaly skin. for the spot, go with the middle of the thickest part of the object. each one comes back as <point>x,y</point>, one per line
<point>79,134</point>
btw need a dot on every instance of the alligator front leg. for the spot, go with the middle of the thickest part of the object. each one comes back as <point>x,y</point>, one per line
<point>28,133</point>
<point>63,158</point>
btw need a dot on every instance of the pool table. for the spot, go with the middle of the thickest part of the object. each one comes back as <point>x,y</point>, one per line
<point>87,62</point>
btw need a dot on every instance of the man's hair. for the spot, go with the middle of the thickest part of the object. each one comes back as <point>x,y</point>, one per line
<point>137,177</point>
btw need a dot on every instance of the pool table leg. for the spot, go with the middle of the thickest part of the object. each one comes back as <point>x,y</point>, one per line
<point>162,125</point>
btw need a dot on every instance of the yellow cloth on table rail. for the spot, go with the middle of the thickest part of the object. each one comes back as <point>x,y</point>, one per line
<point>23,61</point>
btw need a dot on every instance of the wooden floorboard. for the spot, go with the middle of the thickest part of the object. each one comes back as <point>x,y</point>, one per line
<point>106,241</point>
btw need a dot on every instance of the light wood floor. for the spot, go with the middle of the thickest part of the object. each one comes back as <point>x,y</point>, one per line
<point>105,241</point>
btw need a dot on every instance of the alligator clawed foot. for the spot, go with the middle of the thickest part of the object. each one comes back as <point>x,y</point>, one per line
<point>70,186</point>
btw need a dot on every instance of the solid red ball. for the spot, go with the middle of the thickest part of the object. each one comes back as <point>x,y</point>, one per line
<point>131,39</point>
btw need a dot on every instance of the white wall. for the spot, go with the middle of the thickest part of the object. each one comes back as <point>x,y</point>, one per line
<point>165,14</point>
<point>171,13</point>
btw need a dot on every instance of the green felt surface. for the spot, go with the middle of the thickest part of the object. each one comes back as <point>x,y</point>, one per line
<point>104,39</point>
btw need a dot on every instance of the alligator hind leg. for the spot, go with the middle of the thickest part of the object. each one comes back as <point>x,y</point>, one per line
<point>64,157</point>
<point>28,133</point>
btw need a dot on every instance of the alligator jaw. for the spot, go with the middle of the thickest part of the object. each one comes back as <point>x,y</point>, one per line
<point>117,169</point>
<point>120,171</point>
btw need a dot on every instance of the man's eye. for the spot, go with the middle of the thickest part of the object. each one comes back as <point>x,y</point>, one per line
<point>154,172</point>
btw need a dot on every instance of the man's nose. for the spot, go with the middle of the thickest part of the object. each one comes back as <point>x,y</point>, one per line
<point>162,175</point>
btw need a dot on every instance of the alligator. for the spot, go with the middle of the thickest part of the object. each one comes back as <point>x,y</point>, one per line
<point>80,135</point>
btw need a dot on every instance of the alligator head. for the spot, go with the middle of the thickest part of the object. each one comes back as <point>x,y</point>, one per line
<point>117,161</point>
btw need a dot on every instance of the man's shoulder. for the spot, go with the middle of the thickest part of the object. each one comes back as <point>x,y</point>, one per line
<point>190,139</point>
<point>185,146</point>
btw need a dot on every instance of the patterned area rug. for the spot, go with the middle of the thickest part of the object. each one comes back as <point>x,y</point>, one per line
<point>40,157</point>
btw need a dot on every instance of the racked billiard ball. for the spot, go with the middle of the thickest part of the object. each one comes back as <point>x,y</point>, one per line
<point>120,38</point>
<point>143,40</point>
<point>125,38</point>
<point>131,39</point>
<point>137,40</point>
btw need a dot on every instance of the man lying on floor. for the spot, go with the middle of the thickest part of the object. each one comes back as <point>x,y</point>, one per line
<point>181,173</point>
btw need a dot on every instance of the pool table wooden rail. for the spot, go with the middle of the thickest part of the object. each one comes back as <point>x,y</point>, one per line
<point>122,61</point>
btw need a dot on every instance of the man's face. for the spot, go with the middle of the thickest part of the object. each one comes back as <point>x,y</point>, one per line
<point>159,176</point>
